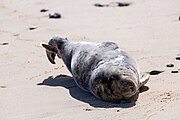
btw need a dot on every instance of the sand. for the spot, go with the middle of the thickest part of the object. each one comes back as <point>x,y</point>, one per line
<point>31,88</point>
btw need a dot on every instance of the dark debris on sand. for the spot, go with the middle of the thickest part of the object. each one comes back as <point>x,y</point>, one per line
<point>98,5</point>
<point>5,43</point>
<point>123,4</point>
<point>170,65</point>
<point>33,27</point>
<point>2,86</point>
<point>155,72</point>
<point>44,10</point>
<point>112,4</point>
<point>174,71</point>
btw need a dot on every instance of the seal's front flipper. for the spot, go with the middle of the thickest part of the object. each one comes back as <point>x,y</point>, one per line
<point>144,79</point>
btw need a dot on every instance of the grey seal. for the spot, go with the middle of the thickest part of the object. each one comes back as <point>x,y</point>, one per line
<point>102,69</point>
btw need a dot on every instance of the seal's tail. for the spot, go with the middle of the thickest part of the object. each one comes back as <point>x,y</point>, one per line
<point>51,52</point>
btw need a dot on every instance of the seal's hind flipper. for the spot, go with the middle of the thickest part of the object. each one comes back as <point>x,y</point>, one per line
<point>51,52</point>
<point>144,79</point>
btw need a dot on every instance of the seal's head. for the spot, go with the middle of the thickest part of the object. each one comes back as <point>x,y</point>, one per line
<point>53,47</point>
<point>114,84</point>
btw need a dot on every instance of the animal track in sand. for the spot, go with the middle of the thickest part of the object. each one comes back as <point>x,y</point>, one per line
<point>46,72</point>
<point>157,101</point>
<point>166,97</point>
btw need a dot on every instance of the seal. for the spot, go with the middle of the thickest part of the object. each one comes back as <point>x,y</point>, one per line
<point>102,69</point>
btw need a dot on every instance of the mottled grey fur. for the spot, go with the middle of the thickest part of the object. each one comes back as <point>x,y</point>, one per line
<point>102,69</point>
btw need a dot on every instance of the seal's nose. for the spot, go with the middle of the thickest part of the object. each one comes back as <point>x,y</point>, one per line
<point>128,88</point>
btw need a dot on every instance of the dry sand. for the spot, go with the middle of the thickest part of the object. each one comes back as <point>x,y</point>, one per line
<point>29,87</point>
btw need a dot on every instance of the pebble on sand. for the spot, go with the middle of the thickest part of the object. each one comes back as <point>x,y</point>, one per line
<point>98,5</point>
<point>88,109</point>
<point>178,57</point>
<point>33,27</point>
<point>54,15</point>
<point>112,4</point>
<point>170,65</point>
<point>4,43</point>
<point>44,10</point>
<point>2,86</point>
<point>174,71</point>
<point>123,4</point>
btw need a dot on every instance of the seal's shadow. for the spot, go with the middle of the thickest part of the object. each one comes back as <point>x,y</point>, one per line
<point>68,83</point>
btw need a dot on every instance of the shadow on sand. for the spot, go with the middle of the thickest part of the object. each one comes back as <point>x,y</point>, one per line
<point>68,83</point>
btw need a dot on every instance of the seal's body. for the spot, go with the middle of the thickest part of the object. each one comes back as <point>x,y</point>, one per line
<point>102,69</point>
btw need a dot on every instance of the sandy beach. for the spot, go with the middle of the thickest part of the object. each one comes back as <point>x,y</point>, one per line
<point>31,88</point>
